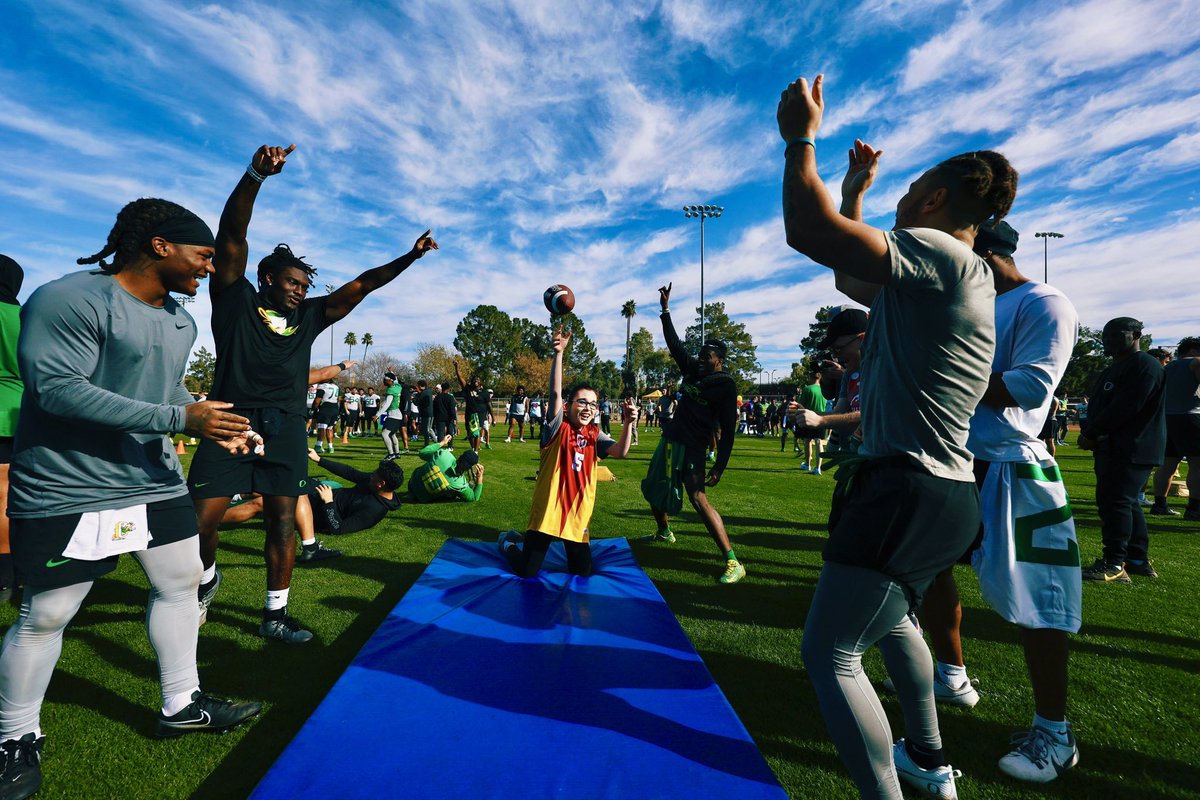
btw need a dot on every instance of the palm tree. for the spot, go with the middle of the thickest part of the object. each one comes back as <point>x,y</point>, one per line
<point>351,339</point>
<point>628,311</point>
<point>367,341</point>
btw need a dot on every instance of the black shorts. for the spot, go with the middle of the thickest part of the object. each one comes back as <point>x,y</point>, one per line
<point>901,521</point>
<point>394,424</point>
<point>38,544</point>
<point>327,414</point>
<point>369,413</point>
<point>1183,435</point>
<point>1048,426</point>
<point>282,471</point>
<point>6,443</point>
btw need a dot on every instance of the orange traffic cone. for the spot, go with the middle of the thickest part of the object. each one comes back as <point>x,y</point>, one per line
<point>345,436</point>
<point>179,448</point>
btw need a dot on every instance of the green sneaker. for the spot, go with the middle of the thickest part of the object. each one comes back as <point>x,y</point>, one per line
<point>662,536</point>
<point>734,571</point>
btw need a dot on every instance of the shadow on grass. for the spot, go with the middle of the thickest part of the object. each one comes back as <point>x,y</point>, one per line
<point>294,680</point>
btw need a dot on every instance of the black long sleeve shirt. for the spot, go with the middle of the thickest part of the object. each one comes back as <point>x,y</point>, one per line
<point>354,509</point>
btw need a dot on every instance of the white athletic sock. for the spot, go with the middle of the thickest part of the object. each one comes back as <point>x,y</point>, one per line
<point>276,599</point>
<point>307,542</point>
<point>952,675</point>
<point>209,574</point>
<point>1058,728</point>
<point>178,702</point>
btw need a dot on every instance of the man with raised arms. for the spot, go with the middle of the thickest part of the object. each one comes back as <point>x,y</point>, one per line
<point>263,337</point>
<point>912,506</point>
<point>708,403</point>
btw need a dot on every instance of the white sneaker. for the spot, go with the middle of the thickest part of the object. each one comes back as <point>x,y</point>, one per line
<point>1040,756</point>
<point>965,695</point>
<point>508,440</point>
<point>522,440</point>
<point>937,783</point>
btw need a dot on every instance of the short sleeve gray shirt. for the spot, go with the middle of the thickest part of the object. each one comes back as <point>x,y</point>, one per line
<point>928,351</point>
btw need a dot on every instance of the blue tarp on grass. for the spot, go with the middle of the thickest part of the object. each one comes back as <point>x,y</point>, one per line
<point>482,685</point>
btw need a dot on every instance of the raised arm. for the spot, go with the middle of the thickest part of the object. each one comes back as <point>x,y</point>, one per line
<point>458,374</point>
<point>558,344</point>
<point>345,299</point>
<point>232,249</point>
<point>860,174</point>
<point>676,348</point>
<point>813,226</point>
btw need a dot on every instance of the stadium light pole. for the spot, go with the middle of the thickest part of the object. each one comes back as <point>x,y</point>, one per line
<point>772,376</point>
<point>329,289</point>
<point>702,213</point>
<point>1046,236</point>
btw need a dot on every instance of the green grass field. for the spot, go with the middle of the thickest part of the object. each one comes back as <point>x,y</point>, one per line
<point>1135,678</point>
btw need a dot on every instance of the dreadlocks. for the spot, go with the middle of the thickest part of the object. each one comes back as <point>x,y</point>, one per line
<point>131,233</point>
<point>282,258</point>
<point>982,183</point>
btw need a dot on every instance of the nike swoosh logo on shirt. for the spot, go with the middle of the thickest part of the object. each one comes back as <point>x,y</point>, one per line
<point>52,563</point>
<point>200,485</point>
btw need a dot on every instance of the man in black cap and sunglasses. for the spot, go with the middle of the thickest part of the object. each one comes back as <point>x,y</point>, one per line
<point>708,403</point>
<point>1126,429</point>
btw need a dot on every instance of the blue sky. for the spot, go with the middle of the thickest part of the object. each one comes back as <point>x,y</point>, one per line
<point>557,141</point>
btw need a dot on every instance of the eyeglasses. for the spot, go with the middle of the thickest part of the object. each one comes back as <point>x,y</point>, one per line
<point>579,401</point>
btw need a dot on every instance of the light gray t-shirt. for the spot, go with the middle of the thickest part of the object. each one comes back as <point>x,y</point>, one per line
<point>928,352</point>
<point>103,386</point>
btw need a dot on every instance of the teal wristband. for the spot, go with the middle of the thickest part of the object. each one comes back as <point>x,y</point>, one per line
<point>800,140</point>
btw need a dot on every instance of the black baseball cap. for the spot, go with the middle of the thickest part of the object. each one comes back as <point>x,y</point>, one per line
<point>716,345</point>
<point>1123,324</point>
<point>849,321</point>
<point>1000,238</point>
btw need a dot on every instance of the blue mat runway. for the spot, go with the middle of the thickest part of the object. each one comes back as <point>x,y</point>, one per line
<point>482,685</point>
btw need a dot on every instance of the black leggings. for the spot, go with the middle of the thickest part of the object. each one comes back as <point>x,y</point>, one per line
<point>527,561</point>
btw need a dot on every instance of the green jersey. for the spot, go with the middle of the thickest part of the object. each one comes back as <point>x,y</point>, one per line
<point>436,479</point>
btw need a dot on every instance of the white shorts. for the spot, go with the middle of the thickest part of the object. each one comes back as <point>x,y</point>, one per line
<point>1028,562</point>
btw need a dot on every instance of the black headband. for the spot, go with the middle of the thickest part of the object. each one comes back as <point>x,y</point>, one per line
<point>186,228</point>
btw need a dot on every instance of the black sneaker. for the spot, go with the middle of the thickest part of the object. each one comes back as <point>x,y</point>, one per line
<point>1163,510</point>
<point>22,775</point>
<point>278,625</point>
<point>311,554</point>
<point>1145,569</point>
<point>206,713</point>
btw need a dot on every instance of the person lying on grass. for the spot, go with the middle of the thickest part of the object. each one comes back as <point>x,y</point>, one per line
<point>565,492</point>
<point>443,477</point>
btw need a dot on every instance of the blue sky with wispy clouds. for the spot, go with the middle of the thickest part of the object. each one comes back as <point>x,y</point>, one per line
<point>557,142</point>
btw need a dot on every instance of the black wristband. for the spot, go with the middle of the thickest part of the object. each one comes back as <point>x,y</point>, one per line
<point>342,366</point>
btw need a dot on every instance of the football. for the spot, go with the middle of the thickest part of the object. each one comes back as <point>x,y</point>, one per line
<point>559,299</point>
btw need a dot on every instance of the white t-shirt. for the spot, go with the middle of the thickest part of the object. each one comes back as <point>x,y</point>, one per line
<point>331,393</point>
<point>1036,329</point>
<point>371,400</point>
<point>352,401</point>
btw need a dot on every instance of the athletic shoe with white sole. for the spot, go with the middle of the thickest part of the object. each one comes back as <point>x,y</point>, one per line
<point>311,554</point>
<point>1102,572</point>
<point>278,625</point>
<point>206,713</point>
<point>665,535</point>
<point>965,695</point>
<point>22,772</point>
<point>734,571</point>
<point>936,783</point>
<point>1040,756</point>
<point>207,593</point>
<point>1163,511</point>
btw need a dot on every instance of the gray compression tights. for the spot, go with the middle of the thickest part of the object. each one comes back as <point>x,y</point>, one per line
<point>33,643</point>
<point>391,441</point>
<point>852,609</point>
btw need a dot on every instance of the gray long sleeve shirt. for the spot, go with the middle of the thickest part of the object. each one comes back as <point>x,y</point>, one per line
<point>103,378</point>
